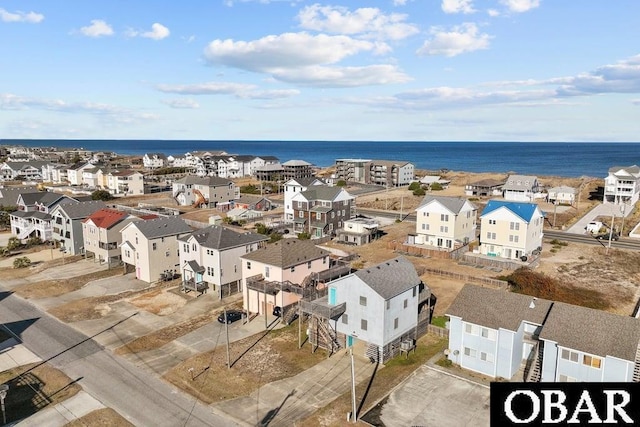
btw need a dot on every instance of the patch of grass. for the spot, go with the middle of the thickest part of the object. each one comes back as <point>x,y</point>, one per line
<point>54,288</point>
<point>35,387</point>
<point>440,321</point>
<point>553,251</point>
<point>105,417</point>
<point>444,362</point>
<point>557,242</point>
<point>393,373</point>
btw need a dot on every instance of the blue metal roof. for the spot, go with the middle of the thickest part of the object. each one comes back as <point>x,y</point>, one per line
<point>523,210</point>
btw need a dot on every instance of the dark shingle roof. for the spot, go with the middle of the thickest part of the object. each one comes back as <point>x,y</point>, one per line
<point>219,237</point>
<point>210,181</point>
<point>161,227</point>
<point>498,309</point>
<point>453,204</point>
<point>287,253</point>
<point>592,331</point>
<point>77,210</point>
<point>9,195</point>
<point>321,192</point>
<point>390,278</point>
<point>45,197</point>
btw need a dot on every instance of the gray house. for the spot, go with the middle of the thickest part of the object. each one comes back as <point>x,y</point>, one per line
<point>519,337</point>
<point>67,220</point>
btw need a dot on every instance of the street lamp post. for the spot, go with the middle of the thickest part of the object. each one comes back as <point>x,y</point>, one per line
<point>3,393</point>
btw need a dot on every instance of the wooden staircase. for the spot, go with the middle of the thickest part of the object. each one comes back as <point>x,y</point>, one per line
<point>328,336</point>
<point>636,367</point>
<point>290,314</point>
<point>533,369</point>
<point>373,353</point>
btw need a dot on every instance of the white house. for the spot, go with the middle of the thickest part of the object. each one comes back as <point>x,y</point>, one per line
<point>358,231</point>
<point>126,182</point>
<point>154,160</point>
<point>622,185</point>
<point>563,195</point>
<point>445,222</point>
<point>208,191</point>
<point>510,230</point>
<point>293,187</point>
<point>151,246</point>
<point>33,218</point>
<point>521,188</point>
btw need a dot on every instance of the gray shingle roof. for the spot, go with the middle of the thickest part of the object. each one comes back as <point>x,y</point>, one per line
<point>592,331</point>
<point>81,210</point>
<point>9,195</point>
<point>47,198</point>
<point>498,309</point>
<point>633,169</point>
<point>520,182</point>
<point>287,253</point>
<point>220,238</point>
<point>305,182</point>
<point>453,204</point>
<point>210,181</point>
<point>390,278</point>
<point>161,227</point>
<point>321,192</point>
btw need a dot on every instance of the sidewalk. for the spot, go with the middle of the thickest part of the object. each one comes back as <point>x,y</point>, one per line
<point>64,412</point>
<point>14,354</point>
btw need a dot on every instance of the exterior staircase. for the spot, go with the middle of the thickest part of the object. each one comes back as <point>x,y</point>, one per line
<point>533,369</point>
<point>290,314</point>
<point>373,353</point>
<point>25,232</point>
<point>636,367</point>
<point>328,336</point>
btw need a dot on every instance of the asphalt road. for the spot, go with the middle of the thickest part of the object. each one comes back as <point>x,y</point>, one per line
<point>143,399</point>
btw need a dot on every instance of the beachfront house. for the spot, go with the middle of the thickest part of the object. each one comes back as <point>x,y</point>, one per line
<point>154,160</point>
<point>293,187</point>
<point>562,195</point>
<point>210,258</point>
<point>387,173</point>
<point>205,192</point>
<point>484,188</point>
<point>321,210</point>
<point>375,309</point>
<point>521,188</point>
<point>32,217</point>
<point>28,170</point>
<point>277,274</point>
<point>445,222</point>
<point>102,237</point>
<point>622,185</point>
<point>67,223</point>
<point>150,247</point>
<point>514,336</point>
<point>510,230</point>
<point>126,182</point>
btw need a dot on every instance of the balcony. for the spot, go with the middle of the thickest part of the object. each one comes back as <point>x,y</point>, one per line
<point>321,307</point>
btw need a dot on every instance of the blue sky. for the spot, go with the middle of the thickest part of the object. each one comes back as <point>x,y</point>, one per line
<point>465,70</point>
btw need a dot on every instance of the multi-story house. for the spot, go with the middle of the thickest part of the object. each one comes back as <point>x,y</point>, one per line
<point>261,161</point>
<point>33,219</point>
<point>30,170</point>
<point>209,191</point>
<point>352,170</point>
<point>445,222</point>
<point>151,246</point>
<point>521,188</point>
<point>101,232</point>
<point>154,160</point>
<point>54,173</point>
<point>126,182</point>
<point>322,210</point>
<point>562,195</point>
<point>514,336</point>
<point>622,185</point>
<point>74,173</point>
<point>390,173</point>
<point>210,258</point>
<point>379,306</point>
<point>277,274</point>
<point>510,230</point>
<point>67,220</point>
<point>358,231</point>
<point>293,187</point>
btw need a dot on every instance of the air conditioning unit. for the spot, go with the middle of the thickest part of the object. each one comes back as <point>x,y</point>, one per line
<point>406,345</point>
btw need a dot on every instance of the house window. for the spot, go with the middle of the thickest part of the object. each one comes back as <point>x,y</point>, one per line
<point>324,260</point>
<point>293,268</point>
<point>492,222</point>
<point>444,229</point>
<point>387,304</point>
<point>127,254</point>
<point>301,214</point>
<point>342,212</point>
<point>154,246</point>
<point>266,271</point>
<point>363,324</point>
<point>514,225</point>
<point>193,246</point>
<point>167,253</point>
<point>470,329</point>
<point>136,240</point>
<point>309,264</point>
<point>406,303</point>
<point>363,301</point>
<point>469,352</point>
<point>345,318</point>
<point>318,216</point>
<point>425,213</point>
<point>444,217</point>
<point>248,265</point>
<point>299,205</point>
<point>414,290</point>
<point>395,323</point>
<point>592,361</point>
<point>569,355</point>
<point>333,214</point>
<point>486,357</point>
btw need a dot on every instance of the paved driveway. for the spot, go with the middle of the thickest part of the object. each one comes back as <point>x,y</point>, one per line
<point>433,398</point>
<point>607,210</point>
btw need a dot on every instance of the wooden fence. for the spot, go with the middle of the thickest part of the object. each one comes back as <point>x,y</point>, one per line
<point>484,281</point>
<point>439,331</point>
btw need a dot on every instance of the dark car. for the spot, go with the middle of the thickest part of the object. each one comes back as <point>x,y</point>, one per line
<point>605,236</point>
<point>232,316</point>
<point>277,311</point>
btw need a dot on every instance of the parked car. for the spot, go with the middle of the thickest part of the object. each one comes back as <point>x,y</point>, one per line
<point>232,316</point>
<point>277,311</point>
<point>605,236</point>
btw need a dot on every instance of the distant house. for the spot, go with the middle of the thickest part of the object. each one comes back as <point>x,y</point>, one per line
<point>154,160</point>
<point>75,172</point>
<point>151,247</point>
<point>30,170</point>
<point>358,231</point>
<point>208,191</point>
<point>563,195</point>
<point>387,173</point>
<point>521,188</point>
<point>67,220</point>
<point>523,338</point>
<point>379,306</point>
<point>429,180</point>
<point>126,182</point>
<point>210,258</point>
<point>510,230</point>
<point>445,222</point>
<point>622,185</point>
<point>321,210</point>
<point>293,187</point>
<point>484,188</point>
<point>238,214</point>
<point>102,238</point>
<point>33,218</point>
<point>256,203</point>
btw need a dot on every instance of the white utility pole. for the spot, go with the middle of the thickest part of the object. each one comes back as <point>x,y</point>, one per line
<point>226,327</point>
<point>354,414</point>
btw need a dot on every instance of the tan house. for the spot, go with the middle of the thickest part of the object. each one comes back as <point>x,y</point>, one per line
<point>562,195</point>
<point>275,275</point>
<point>151,246</point>
<point>205,192</point>
<point>511,230</point>
<point>101,233</point>
<point>126,182</point>
<point>445,222</point>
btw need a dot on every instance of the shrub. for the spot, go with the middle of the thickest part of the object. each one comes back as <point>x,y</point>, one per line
<point>34,241</point>
<point>103,195</point>
<point>274,237</point>
<point>21,262</point>
<point>250,189</point>
<point>14,243</point>
<point>414,186</point>
<point>436,186</point>
<point>304,236</point>
<point>419,191</point>
<point>341,183</point>
<point>444,362</point>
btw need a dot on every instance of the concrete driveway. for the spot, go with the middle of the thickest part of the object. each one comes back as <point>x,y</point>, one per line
<point>606,210</point>
<point>430,397</point>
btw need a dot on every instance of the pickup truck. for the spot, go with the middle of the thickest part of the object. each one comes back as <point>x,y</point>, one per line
<point>605,236</point>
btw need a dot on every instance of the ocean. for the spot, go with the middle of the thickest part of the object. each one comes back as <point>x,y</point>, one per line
<point>569,159</point>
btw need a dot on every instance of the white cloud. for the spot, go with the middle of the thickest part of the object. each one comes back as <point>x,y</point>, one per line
<point>399,2</point>
<point>270,94</point>
<point>187,104</point>
<point>493,13</point>
<point>635,101</point>
<point>158,32</point>
<point>458,6</point>
<point>98,28</point>
<point>622,77</point>
<point>302,58</point>
<point>19,16</point>
<point>368,22</point>
<point>211,88</point>
<point>520,6</point>
<point>461,39</point>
